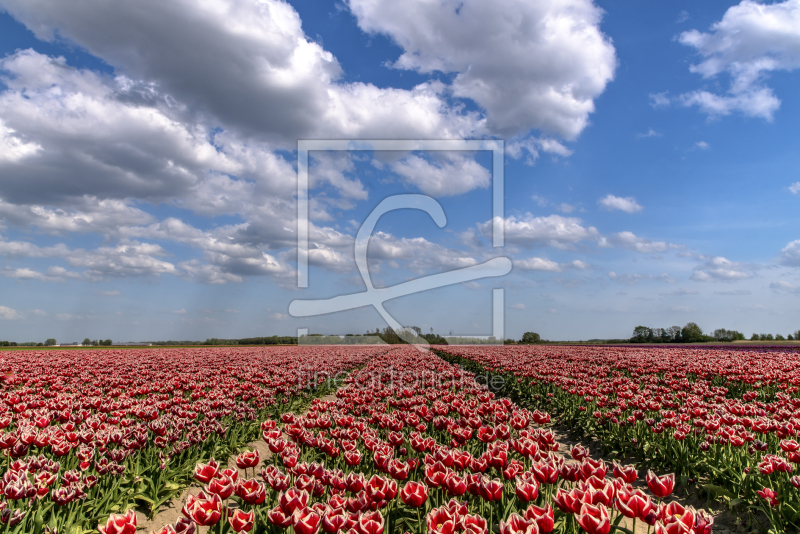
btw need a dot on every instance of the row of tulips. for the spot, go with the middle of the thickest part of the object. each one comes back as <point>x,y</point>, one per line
<point>87,434</point>
<point>724,421</point>
<point>415,444</point>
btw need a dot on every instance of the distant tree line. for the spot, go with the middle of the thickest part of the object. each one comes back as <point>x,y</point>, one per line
<point>271,340</point>
<point>778,337</point>
<point>95,343</point>
<point>691,333</point>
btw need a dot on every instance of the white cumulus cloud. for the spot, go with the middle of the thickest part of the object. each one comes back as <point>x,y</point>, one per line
<point>752,40</point>
<point>626,204</point>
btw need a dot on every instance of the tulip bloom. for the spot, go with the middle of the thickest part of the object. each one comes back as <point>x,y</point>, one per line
<point>660,486</point>
<point>517,524</point>
<point>251,491</point>
<point>279,518</point>
<point>205,472</point>
<point>371,523</point>
<point>222,486</point>
<point>544,517</point>
<point>594,519</point>
<point>305,521</point>
<point>120,524</point>
<point>526,489</point>
<point>626,473</point>
<point>247,459</point>
<point>241,521</point>
<point>633,504</point>
<point>334,519</point>
<point>292,500</point>
<point>414,494</point>
<point>203,510</point>
<point>491,489</point>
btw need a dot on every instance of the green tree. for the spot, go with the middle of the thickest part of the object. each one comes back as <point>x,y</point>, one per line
<point>641,334</point>
<point>107,342</point>
<point>87,342</point>
<point>691,333</point>
<point>50,342</point>
<point>531,337</point>
<point>780,338</point>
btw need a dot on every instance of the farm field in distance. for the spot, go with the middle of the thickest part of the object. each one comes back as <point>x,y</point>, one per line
<point>390,438</point>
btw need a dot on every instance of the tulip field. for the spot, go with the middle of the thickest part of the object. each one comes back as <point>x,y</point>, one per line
<point>412,443</point>
<point>724,422</point>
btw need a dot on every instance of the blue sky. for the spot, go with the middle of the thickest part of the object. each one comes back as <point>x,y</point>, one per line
<point>148,164</point>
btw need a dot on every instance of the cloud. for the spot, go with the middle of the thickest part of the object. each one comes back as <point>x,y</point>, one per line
<point>679,293</point>
<point>628,240</point>
<point>626,204</point>
<point>540,201</point>
<point>532,146</point>
<point>540,69</point>
<point>542,264</point>
<point>719,269</point>
<point>9,313</point>
<point>795,188</point>
<point>553,230</point>
<point>782,285</point>
<point>53,274</point>
<point>659,100</point>
<point>232,311</point>
<point>702,145</point>
<point>418,254</point>
<point>566,208</point>
<point>682,309</point>
<point>446,174</point>
<point>182,311</point>
<point>790,254</point>
<point>518,306</point>
<point>683,16</point>
<point>112,293</point>
<point>751,41</point>
<point>627,278</point>
<point>277,316</point>
<point>650,133</point>
<point>734,293</point>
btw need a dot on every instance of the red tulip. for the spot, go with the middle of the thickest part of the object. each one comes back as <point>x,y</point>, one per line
<point>279,518</point>
<point>414,494</point>
<point>527,489</point>
<point>250,491</point>
<point>517,524</point>
<point>205,472</point>
<point>204,510</point>
<point>292,500</point>
<point>241,521</point>
<point>660,486</point>
<point>491,489</point>
<point>222,486</point>
<point>119,524</point>
<point>626,473</point>
<point>305,521</point>
<point>544,517</point>
<point>371,523</point>
<point>633,504</point>
<point>594,519</point>
<point>334,519</point>
<point>247,459</point>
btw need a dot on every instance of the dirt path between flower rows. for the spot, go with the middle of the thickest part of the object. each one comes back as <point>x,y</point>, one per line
<point>170,511</point>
